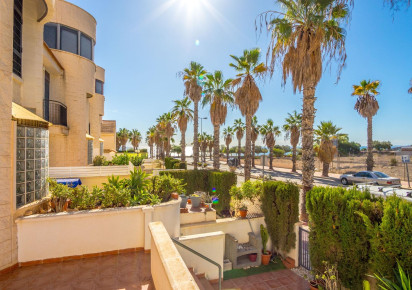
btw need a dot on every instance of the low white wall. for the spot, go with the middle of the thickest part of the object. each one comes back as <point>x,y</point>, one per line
<point>197,217</point>
<point>89,171</point>
<point>86,232</point>
<point>211,245</point>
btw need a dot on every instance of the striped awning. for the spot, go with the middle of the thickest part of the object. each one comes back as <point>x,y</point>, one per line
<point>26,118</point>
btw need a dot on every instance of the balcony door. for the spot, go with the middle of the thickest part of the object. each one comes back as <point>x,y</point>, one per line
<point>46,96</point>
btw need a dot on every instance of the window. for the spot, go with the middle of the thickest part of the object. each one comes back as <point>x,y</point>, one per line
<point>86,46</point>
<point>368,175</point>
<point>50,35</point>
<point>360,174</point>
<point>68,40</point>
<point>99,87</point>
<point>32,164</point>
<point>17,33</point>
<point>380,174</point>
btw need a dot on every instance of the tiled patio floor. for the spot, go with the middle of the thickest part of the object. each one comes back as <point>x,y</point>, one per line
<point>282,279</point>
<point>123,271</point>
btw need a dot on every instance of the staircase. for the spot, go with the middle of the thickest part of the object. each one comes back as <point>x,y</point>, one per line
<point>201,281</point>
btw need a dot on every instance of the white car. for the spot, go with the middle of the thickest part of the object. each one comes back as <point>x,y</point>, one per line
<point>370,177</point>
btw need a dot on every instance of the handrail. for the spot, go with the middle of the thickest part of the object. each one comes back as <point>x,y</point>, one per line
<point>201,256</point>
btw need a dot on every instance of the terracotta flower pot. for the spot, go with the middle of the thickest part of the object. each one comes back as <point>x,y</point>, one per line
<point>243,213</point>
<point>189,201</point>
<point>175,195</point>
<point>266,258</point>
<point>252,257</point>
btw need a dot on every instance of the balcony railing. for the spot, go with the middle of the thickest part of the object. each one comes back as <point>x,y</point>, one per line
<point>55,112</point>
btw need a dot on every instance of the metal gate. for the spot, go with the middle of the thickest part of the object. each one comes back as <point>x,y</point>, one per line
<point>304,256</point>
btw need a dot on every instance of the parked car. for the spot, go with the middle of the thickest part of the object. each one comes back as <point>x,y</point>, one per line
<point>371,177</point>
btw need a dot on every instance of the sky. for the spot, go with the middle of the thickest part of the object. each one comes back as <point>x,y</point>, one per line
<point>143,44</point>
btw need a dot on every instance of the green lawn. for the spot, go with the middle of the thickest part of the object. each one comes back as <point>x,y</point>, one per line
<point>237,273</point>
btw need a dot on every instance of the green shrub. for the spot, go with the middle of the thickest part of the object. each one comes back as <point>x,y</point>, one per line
<point>99,160</point>
<point>206,180</point>
<point>280,206</point>
<point>180,165</point>
<point>136,160</point>
<point>122,159</point>
<point>278,152</point>
<point>164,185</point>
<point>143,150</point>
<point>393,162</point>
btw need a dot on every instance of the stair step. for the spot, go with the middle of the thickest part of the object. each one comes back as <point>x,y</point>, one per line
<point>206,284</point>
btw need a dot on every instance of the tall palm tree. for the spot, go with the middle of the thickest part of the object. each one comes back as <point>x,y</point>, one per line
<point>192,78</point>
<point>124,137</point>
<point>410,89</point>
<point>135,138</point>
<point>248,96</point>
<point>254,135</point>
<point>182,113</point>
<point>203,141</point>
<point>304,35</point>
<point>118,141</point>
<point>219,95</point>
<point>292,126</point>
<point>325,134</point>
<point>270,132</point>
<point>367,106</point>
<point>150,139</point>
<point>165,126</point>
<point>228,135</point>
<point>239,128</point>
<point>211,145</point>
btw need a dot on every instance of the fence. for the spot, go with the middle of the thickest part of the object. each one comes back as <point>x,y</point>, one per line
<point>304,255</point>
<point>89,171</point>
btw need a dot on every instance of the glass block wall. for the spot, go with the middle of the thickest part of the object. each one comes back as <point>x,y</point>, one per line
<point>32,164</point>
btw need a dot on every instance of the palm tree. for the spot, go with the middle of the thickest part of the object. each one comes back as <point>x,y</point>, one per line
<point>211,145</point>
<point>118,141</point>
<point>203,141</point>
<point>325,134</point>
<point>182,113</point>
<point>165,127</point>
<point>228,135</point>
<point>410,89</point>
<point>135,138</point>
<point>367,106</point>
<point>124,137</point>
<point>303,35</point>
<point>270,132</point>
<point>248,96</point>
<point>192,78</point>
<point>292,126</point>
<point>239,128</point>
<point>219,96</point>
<point>254,136</point>
<point>150,139</point>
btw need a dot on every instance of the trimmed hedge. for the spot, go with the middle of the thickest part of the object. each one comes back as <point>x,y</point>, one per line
<point>280,206</point>
<point>358,232</point>
<point>206,180</point>
<point>172,163</point>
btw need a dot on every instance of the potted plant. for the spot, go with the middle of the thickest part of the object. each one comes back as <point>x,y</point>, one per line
<point>195,198</point>
<point>243,211</point>
<point>183,202</point>
<point>252,257</point>
<point>329,279</point>
<point>265,254</point>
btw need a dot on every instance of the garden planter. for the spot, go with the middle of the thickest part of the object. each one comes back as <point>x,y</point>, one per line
<point>289,263</point>
<point>266,258</point>
<point>243,213</point>
<point>252,257</point>
<point>184,201</point>
<point>195,201</point>
<point>208,205</point>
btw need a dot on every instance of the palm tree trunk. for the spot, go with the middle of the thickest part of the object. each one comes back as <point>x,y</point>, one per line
<point>253,153</point>
<point>216,134</point>
<point>195,137</point>
<point>183,145</point>
<point>294,159</point>
<point>369,158</point>
<point>325,169</point>
<point>308,161</point>
<point>239,148</point>
<point>227,154</point>
<point>271,158</point>
<point>247,147</point>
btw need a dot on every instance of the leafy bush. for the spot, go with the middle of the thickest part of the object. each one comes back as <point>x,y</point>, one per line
<point>136,160</point>
<point>170,163</point>
<point>278,152</point>
<point>130,150</point>
<point>163,186</point>
<point>206,180</point>
<point>359,233</point>
<point>99,161</point>
<point>248,190</point>
<point>180,165</point>
<point>345,147</point>
<point>394,162</point>
<point>280,206</point>
<point>122,159</point>
<point>143,150</point>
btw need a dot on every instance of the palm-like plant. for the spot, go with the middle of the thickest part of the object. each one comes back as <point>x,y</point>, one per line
<point>150,139</point>
<point>182,113</point>
<point>292,127</point>
<point>248,96</point>
<point>135,138</point>
<point>192,78</point>
<point>228,135</point>
<point>303,35</point>
<point>165,126</point>
<point>367,106</point>
<point>124,135</point>
<point>325,134</point>
<point>254,135</point>
<point>203,142</point>
<point>239,128</point>
<point>269,132</point>
<point>219,95</point>
<point>118,141</point>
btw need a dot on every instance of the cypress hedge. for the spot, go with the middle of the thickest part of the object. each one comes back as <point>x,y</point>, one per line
<point>206,180</point>
<point>280,206</point>
<point>360,233</point>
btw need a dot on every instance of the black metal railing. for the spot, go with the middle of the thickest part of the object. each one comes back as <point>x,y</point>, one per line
<point>57,112</point>
<point>304,255</point>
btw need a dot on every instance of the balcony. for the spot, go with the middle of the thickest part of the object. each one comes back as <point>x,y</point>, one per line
<point>55,112</point>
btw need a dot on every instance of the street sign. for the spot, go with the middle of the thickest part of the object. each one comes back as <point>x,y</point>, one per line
<point>406,159</point>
